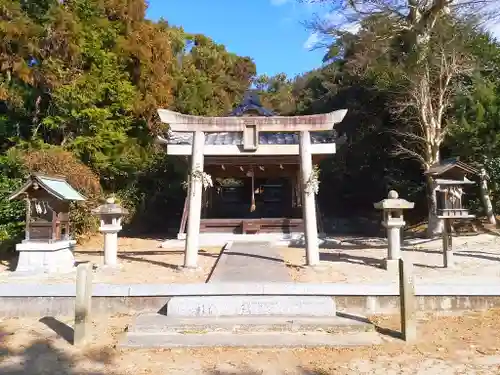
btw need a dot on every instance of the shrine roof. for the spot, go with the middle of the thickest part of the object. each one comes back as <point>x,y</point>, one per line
<point>265,138</point>
<point>251,103</point>
<point>446,165</point>
<point>56,186</point>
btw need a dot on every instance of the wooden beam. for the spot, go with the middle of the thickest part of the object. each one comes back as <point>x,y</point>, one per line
<point>234,150</point>
<point>251,160</point>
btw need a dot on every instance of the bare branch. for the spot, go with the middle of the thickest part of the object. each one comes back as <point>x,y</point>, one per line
<point>405,152</point>
<point>419,16</point>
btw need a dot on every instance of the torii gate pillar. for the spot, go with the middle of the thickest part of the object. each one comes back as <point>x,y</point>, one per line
<point>308,201</point>
<point>195,192</point>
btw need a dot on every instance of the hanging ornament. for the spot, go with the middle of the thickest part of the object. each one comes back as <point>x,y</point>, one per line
<point>252,205</point>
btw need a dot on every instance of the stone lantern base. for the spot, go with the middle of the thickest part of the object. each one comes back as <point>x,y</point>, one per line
<point>45,257</point>
<point>391,265</point>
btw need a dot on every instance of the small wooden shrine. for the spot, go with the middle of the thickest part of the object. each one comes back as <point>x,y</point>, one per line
<point>450,179</point>
<point>48,200</point>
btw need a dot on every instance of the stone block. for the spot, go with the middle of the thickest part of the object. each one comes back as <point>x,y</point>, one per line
<point>251,305</point>
<point>391,265</point>
<point>251,340</point>
<point>44,257</point>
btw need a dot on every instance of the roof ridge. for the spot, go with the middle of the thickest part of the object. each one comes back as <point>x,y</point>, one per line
<point>50,177</point>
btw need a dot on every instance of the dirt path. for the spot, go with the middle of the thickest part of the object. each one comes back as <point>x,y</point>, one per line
<point>448,345</point>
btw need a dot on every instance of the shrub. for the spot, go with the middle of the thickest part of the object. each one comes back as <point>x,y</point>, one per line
<point>12,213</point>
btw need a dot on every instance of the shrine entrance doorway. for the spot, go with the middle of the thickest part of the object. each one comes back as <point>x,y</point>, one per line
<point>252,198</point>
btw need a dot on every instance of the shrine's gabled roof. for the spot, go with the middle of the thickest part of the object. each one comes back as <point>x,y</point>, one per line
<point>56,186</point>
<point>446,165</point>
<point>251,103</point>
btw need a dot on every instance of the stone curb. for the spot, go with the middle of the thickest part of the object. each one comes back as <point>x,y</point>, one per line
<point>224,289</point>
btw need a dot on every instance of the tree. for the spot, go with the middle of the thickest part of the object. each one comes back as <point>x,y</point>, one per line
<point>475,134</point>
<point>414,18</point>
<point>422,77</point>
<point>87,77</point>
<point>276,93</point>
<point>426,98</point>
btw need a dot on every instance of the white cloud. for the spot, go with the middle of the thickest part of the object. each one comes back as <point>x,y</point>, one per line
<point>339,21</point>
<point>278,2</point>
<point>494,28</point>
<point>333,20</point>
<point>312,41</point>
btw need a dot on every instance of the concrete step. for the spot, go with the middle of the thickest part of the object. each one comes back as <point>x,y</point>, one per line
<point>200,306</point>
<point>157,323</point>
<point>254,340</point>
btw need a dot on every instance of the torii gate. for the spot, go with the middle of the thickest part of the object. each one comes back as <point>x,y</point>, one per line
<point>250,127</point>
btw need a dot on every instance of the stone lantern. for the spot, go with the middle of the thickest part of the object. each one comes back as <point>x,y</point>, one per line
<point>392,208</point>
<point>111,215</point>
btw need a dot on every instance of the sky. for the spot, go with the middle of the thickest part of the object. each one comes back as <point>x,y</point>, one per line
<point>271,32</point>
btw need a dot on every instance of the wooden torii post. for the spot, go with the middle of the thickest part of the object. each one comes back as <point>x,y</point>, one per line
<point>250,127</point>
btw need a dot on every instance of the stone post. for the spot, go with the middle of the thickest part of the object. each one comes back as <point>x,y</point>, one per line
<point>485,197</point>
<point>110,215</point>
<point>83,303</point>
<point>407,301</point>
<point>393,221</point>
<point>110,246</point>
<point>308,201</point>
<point>448,261</point>
<point>195,192</point>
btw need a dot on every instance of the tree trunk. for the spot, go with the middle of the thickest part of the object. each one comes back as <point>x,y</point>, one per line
<point>485,197</point>
<point>435,224</point>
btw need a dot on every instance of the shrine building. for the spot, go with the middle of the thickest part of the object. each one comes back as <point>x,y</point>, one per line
<point>252,171</point>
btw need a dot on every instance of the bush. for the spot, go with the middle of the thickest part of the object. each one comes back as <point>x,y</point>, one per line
<point>12,213</point>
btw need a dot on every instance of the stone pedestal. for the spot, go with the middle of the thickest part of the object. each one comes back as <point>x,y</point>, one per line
<point>390,265</point>
<point>110,245</point>
<point>45,257</point>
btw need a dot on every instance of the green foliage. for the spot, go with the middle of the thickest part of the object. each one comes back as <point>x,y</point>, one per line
<point>82,80</point>
<point>12,213</point>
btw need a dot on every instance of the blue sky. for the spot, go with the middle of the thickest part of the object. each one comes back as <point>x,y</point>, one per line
<point>269,31</point>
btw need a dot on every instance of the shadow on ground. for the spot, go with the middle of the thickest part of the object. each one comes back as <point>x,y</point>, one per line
<point>40,356</point>
<point>10,260</point>
<point>136,256</point>
<point>62,329</point>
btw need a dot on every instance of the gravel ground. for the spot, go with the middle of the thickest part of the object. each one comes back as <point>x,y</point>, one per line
<point>357,260</point>
<point>343,260</point>
<point>447,345</point>
<point>141,261</point>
